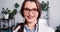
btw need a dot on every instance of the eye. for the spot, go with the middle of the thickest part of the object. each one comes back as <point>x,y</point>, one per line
<point>35,9</point>
<point>26,9</point>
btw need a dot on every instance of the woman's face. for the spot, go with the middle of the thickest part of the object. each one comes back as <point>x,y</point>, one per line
<point>30,11</point>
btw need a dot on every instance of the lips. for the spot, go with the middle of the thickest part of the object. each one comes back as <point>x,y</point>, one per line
<point>30,17</point>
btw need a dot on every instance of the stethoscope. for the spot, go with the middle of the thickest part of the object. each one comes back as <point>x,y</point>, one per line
<point>37,27</point>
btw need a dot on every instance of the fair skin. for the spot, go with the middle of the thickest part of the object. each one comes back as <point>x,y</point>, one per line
<point>30,16</point>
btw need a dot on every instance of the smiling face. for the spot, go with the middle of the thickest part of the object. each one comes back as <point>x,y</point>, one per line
<point>30,11</point>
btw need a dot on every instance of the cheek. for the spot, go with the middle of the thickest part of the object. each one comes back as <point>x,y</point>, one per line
<point>25,14</point>
<point>36,15</point>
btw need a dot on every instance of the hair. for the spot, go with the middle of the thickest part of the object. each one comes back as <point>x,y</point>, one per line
<point>22,9</point>
<point>37,4</point>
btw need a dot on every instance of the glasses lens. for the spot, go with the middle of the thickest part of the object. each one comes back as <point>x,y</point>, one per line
<point>33,10</point>
<point>26,9</point>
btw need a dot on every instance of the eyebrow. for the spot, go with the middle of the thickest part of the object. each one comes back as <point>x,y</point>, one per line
<point>29,8</point>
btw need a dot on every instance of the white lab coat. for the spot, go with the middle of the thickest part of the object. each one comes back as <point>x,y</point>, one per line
<point>43,27</point>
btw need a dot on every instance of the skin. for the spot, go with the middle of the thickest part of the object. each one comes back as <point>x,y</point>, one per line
<point>30,16</point>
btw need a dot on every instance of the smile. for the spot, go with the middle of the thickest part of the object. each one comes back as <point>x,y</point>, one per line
<point>30,17</point>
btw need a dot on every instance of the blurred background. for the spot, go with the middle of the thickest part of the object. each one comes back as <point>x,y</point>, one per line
<point>51,13</point>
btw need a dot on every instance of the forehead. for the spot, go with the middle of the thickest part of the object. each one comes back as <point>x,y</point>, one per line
<point>30,5</point>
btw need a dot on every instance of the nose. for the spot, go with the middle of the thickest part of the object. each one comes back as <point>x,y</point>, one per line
<point>30,13</point>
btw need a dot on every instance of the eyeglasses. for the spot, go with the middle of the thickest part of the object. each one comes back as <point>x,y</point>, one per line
<point>34,10</point>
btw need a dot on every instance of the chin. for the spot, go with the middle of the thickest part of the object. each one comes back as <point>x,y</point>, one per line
<point>30,20</point>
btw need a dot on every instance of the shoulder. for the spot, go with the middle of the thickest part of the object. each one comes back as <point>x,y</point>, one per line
<point>43,24</point>
<point>51,29</point>
<point>44,28</point>
<point>17,27</point>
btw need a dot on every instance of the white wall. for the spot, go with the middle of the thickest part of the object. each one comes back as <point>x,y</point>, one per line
<point>54,16</point>
<point>54,13</point>
<point>10,5</point>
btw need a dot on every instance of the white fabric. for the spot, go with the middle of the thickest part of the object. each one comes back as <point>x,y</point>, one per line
<point>16,29</point>
<point>43,27</point>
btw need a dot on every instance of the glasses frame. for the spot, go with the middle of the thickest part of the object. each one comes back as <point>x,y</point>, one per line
<point>34,10</point>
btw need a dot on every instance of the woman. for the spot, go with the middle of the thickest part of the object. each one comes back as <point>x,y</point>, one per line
<point>31,11</point>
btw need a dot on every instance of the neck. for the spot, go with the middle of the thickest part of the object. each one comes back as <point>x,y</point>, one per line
<point>32,24</point>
